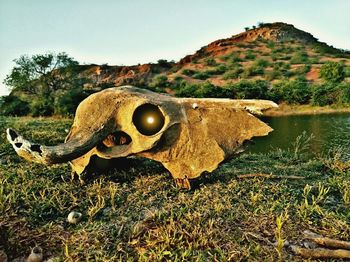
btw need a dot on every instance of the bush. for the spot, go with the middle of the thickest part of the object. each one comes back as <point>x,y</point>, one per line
<point>253,71</point>
<point>67,103</point>
<point>261,63</point>
<point>210,61</point>
<point>188,72</point>
<point>200,90</point>
<point>217,70</point>
<point>347,71</point>
<point>299,58</point>
<point>249,89</point>
<point>324,94</point>
<point>178,78</point>
<point>42,106</point>
<point>302,70</point>
<point>159,81</point>
<point>201,75</point>
<point>233,73</point>
<point>344,93</point>
<point>13,106</point>
<point>332,72</point>
<point>250,55</point>
<point>272,75</point>
<point>292,92</point>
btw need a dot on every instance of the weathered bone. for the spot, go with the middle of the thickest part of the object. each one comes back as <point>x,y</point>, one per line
<point>194,135</point>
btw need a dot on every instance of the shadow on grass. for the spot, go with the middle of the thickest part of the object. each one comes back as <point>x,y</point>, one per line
<point>121,170</point>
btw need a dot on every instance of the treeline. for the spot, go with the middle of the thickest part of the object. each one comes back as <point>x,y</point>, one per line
<point>297,91</point>
<point>50,84</point>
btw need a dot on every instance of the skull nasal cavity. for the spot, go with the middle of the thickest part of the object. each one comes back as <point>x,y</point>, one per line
<point>116,139</point>
<point>148,119</point>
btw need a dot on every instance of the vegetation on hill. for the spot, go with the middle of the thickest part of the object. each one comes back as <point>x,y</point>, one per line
<point>270,61</point>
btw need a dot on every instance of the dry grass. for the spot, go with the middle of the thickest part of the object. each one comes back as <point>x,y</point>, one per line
<point>136,212</point>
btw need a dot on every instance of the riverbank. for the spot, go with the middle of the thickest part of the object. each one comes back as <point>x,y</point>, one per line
<point>287,110</point>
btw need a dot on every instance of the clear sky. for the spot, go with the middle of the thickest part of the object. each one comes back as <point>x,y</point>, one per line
<point>121,32</point>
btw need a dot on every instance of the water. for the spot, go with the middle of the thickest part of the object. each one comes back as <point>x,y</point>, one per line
<point>330,131</point>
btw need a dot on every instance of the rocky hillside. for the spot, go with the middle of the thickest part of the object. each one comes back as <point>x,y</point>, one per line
<point>272,52</point>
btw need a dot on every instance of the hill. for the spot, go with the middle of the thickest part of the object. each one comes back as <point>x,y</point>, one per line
<point>270,52</point>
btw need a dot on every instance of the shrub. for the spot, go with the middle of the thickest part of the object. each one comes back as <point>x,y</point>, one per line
<point>13,106</point>
<point>272,75</point>
<point>205,89</point>
<point>261,63</point>
<point>347,71</point>
<point>201,75</point>
<point>300,57</point>
<point>42,106</point>
<point>271,44</point>
<point>250,55</point>
<point>68,102</point>
<point>210,61</point>
<point>217,70</point>
<point>233,73</point>
<point>344,93</point>
<point>159,81</point>
<point>325,94</point>
<point>292,92</point>
<point>253,71</point>
<point>188,72</point>
<point>301,70</point>
<point>332,72</point>
<point>178,78</point>
<point>250,89</point>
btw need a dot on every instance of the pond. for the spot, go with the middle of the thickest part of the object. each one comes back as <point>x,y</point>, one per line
<point>328,131</point>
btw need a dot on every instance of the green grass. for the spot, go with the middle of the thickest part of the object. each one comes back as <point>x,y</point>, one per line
<point>136,212</point>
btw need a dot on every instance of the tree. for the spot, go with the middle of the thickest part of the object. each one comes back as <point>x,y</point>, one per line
<point>332,72</point>
<point>42,74</point>
<point>13,106</point>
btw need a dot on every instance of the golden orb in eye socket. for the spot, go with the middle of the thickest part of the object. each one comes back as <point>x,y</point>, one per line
<point>148,119</point>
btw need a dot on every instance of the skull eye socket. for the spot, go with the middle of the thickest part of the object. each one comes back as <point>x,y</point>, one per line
<point>148,119</point>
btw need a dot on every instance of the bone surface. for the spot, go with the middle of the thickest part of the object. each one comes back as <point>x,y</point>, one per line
<point>187,135</point>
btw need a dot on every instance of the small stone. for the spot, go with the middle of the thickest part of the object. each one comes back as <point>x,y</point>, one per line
<point>74,217</point>
<point>36,255</point>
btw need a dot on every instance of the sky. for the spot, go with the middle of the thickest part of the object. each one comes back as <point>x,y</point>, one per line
<point>127,32</point>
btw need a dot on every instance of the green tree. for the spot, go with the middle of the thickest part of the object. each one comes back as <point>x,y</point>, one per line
<point>13,106</point>
<point>293,92</point>
<point>67,103</point>
<point>42,74</point>
<point>332,72</point>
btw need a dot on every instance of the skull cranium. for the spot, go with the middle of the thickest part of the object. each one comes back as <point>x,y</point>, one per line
<point>187,135</point>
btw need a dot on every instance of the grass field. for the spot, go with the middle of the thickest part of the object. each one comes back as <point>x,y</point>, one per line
<point>137,213</point>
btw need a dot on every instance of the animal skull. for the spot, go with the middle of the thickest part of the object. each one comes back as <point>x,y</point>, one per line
<point>187,135</point>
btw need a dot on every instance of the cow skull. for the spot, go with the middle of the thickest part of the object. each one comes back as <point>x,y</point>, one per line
<point>187,135</point>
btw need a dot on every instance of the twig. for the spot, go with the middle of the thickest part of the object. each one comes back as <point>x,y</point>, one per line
<point>320,252</point>
<point>325,241</point>
<point>253,175</point>
<point>259,237</point>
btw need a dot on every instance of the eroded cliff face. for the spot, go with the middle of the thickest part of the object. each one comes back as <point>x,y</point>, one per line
<point>105,75</point>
